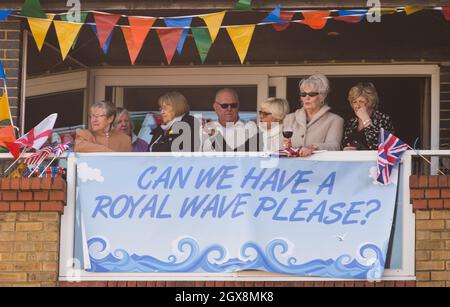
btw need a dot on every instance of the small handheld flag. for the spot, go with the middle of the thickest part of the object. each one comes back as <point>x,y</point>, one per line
<point>390,150</point>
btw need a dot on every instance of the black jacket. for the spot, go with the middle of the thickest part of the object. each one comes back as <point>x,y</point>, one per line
<point>162,140</point>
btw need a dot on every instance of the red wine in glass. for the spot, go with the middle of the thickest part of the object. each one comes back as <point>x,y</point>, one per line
<point>288,134</point>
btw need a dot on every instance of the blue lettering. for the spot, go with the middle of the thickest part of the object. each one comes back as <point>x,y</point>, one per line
<point>225,175</point>
<point>327,220</point>
<point>179,177</point>
<point>271,181</point>
<point>299,208</point>
<point>143,184</point>
<point>160,214</point>
<point>134,205</point>
<point>240,203</point>
<point>328,183</point>
<point>263,207</point>
<point>319,212</point>
<point>192,205</point>
<point>212,206</point>
<point>300,180</point>
<point>164,178</point>
<point>116,203</point>
<point>351,211</point>
<point>103,202</point>
<point>150,207</point>
<point>276,216</point>
<point>255,178</point>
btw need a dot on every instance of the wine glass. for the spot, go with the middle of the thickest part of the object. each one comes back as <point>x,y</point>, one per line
<point>287,133</point>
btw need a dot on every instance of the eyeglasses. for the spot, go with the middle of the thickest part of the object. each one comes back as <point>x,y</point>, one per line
<point>97,116</point>
<point>264,114</point>
<point>226,105</point>
<point>310,94</point>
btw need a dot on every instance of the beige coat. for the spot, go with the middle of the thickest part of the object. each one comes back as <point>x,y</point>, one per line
<point>86,141</point>
<point>324,130</point>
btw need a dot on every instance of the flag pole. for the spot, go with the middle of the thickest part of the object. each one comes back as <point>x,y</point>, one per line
<point>23,152</point>
<point>428,161</point>
<point>37,166</point>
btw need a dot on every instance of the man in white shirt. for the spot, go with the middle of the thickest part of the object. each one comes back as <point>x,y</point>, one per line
<point>229,133</point>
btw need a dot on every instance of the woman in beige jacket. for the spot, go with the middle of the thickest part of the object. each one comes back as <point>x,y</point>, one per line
<point>100,137</point>
<point>314,127</point>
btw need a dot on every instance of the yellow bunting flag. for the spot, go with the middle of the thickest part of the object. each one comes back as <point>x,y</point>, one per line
<point>4,108</point>
<point>410,9</point>
<point>241,37</point>
<point>39,28</point>
<point>66,32</point>
<point>213,22</point>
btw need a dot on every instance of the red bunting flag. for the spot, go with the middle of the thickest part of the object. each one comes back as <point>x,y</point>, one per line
<point>135,34</point>
<point>169,40</point>
<point>286,16</point>
<point>315,19</point>
<point>105,24</point>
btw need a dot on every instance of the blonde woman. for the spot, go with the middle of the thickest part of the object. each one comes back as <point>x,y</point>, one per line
<point>271,115</point>
<point>177,122</point>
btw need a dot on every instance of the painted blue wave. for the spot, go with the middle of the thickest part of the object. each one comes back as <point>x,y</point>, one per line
<point>212,259</point>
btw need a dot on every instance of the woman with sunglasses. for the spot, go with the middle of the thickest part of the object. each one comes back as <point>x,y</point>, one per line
<point>271,115</point>
<point>361,132</point>
<point>313,126</point>
<point>101,137</point>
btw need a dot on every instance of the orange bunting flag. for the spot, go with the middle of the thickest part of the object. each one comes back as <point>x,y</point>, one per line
<point>410,9</point>
<point>315,19</point>
<point>39,28</point>
<point>446,12</point>
<point>4,108</point>
<point>213,22</point>
<point>136,34</point>
<point>169,40</point>
<point>66,32</point>
<point>286,16</point>
<point>241,37</point>
<point>105,24</point>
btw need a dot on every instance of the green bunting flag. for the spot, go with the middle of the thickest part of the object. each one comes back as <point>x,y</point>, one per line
<point>32,8</point>
<point>243,5</point>
<point>203,42</point>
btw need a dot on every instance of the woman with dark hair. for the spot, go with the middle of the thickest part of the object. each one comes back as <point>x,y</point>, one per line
<point>361,132</point>
<point>100,137</point>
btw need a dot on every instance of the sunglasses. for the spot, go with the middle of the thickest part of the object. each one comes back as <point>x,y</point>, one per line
<point>226,105</point>
<point>264,114</point>
<point>310,94</point>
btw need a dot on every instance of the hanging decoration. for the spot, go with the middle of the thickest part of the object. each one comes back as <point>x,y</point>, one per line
<point>174,34</point>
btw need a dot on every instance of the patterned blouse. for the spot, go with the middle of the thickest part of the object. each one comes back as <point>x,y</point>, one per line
<point>368,136</point>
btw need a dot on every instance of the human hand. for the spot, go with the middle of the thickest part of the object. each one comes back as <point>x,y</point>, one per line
<point>349,148</point>
<point>362,114</point>
<point>287,142</point>
<point>305,152</point>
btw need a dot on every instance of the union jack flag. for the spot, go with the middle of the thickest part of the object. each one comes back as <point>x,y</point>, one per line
<point>60,148</point>
<point>390,150</point>
<point>39,156</point>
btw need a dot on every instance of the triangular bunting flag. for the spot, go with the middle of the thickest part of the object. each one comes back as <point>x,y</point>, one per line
<point>66,32</point>
<point>179,23</point>
<point>446,12</point>
<point>4,14</point>
<point>213,22</point>
<point>315,19</point>
<point>140,27</point>
<point>39,29</point>
<point>287,17</point>
<point>241,37</point>
<point>135,34</point>
<point>169,40</point>
<point>6,135</point>
<point>2,72</point>
<point>108,41</point>
<point>243,5</point>
<point>274,16</point>
<point>203,42</point>
<point>411,9</point>
<point>32,8</point>
<point>133,51</point>
<point>351,16</point>
<point>4,108</point>
<point>82,19</point>
<point>105,25</point>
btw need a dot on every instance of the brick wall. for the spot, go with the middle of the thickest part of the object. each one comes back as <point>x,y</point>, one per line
<point>30,212</point>
<point>10,54</point>
<point>430,196</point>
